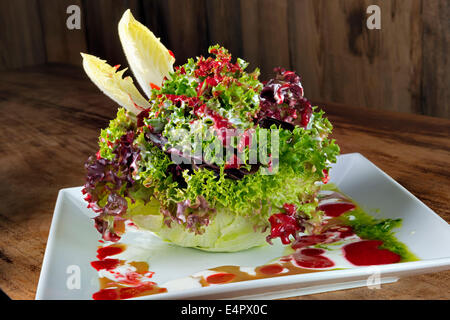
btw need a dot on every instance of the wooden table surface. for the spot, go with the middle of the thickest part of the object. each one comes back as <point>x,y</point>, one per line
<point>50,118</point>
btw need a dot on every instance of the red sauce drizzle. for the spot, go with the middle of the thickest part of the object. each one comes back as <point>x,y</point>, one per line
<point>271,269</point>
<point>330,235</point>
<point>312,258</point>
<point>306,241</point>
<point>220,278</point>
<point>128,292</point>
<point>126,285</point>
<point>111,250</point>
<point>304,259</point>
<point>220,123</point>
<point>201,110</point>
<point>245,141</point>
<point>106,264</point>
<point>368,252</point>
<point>336,209</point>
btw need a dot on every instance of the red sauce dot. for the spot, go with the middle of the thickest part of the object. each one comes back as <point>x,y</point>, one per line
<point>368,253</point>
<point>336,209</point>
<point>312,252</point>
<point>127,292</point>
<point>271,269</point>
<point>310,240</point>
<point>220,278</point>
<point>106,264</point>
<point>311,258</point>
<point>131,292</point>
<point>106,294</point>
<point>108,251</point>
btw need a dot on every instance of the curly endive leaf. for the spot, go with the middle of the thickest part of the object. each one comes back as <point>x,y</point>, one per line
<point>149,60</point>
<point>111,82</point>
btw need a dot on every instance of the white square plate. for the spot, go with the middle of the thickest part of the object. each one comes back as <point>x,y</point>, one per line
<point>73,242</point>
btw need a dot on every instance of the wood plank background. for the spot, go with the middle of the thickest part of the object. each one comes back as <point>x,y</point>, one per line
<point>402,67</point>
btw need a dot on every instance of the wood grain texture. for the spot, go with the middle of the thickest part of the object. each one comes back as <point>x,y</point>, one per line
<point>185,28</point>
<point>50,119</point>
<point>265,35</point>
<point>436,58</point>
<point>40,116</point>
<point>341,60</point>
<point>225,25</point>
<point>102,18</point>
<point>21,37</point>
<point>61,44</point>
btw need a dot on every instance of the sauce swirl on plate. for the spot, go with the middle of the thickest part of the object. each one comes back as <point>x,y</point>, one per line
<point>348,238</point>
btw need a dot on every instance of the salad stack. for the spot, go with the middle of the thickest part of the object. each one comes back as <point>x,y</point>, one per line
<point>213,158</point>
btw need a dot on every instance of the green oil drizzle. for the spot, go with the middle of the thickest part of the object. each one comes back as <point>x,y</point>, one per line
<point>370,228</point>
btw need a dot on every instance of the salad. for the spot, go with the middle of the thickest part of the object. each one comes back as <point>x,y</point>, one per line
<point>212,158</point>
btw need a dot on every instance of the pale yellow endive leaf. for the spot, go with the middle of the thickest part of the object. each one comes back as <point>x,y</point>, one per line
<point>147,57</point>
<point>111,82</point>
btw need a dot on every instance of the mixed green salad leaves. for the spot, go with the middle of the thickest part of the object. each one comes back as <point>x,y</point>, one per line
<point>219,160</point>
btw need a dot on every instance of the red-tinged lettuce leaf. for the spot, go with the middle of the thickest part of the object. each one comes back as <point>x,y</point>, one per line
<point>109,182</point>
<point>282,99</point>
